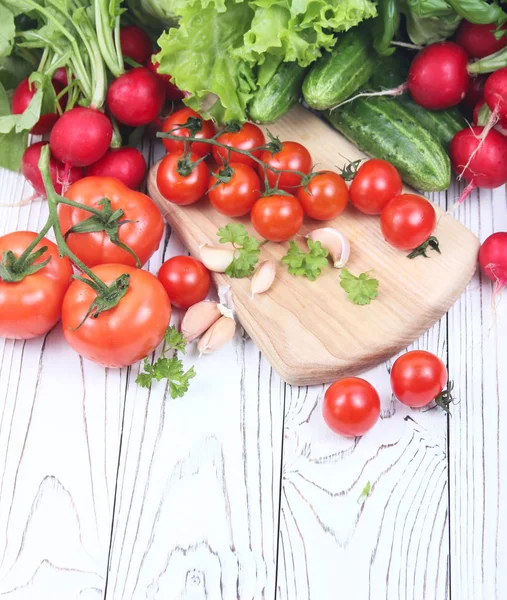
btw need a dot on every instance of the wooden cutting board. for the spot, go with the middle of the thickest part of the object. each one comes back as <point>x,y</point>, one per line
<point>309,331</point>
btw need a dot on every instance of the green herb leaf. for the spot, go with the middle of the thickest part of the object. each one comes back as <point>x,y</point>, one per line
<point>307,264</point>
<point>362,289</point>
<point>365,493</point>
<point>174,340</point>
<point>247,249</point>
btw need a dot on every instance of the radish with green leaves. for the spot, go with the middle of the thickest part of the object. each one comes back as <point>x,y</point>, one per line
<point>493,259</point>
<point>135,44</point>
<point>22,97</point>
<point>126,164</point>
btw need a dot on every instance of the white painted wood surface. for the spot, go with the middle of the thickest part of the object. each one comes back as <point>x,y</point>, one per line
<point>239,490</point>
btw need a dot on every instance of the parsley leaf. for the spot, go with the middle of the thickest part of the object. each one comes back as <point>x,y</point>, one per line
<point>308,264</point>
<point>365,493</point>
<point>170,368</point>
<point>361,290</point>
<point>247,249</point>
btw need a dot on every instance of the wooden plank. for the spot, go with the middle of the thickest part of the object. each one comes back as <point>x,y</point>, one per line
<point>477,441</point>
<point>394,543</point>
<point>60,420</point>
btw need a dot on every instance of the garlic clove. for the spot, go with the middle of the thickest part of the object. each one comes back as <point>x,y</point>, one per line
<point>263,277</point>
<point>216,259</point>
<point>335,242</point>
<point>199,318</point>
<point>221,332</point>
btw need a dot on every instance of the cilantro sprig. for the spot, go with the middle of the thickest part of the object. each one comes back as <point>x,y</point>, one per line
<point>361,289</point>
<point>247,249</point>
<point>168,367</point>
<point>307,264</point>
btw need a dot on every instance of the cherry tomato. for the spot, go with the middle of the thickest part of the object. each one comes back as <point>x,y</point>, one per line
<point>277,218</point>
<point>235,197</point>
<point>418,377</point>
<point>180,117</point>
<point>33,306</point>
<point>374,185</point>
<point>325,197</point>
<point>182,189</point>
<point>143,233</point>
<point>351,406</point>
<point>124,334</point>
<point>185,279</point>
<point>292,156</point>
<point>248,137</point>
<point>408,221</point>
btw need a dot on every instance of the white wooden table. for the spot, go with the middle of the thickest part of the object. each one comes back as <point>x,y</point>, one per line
<point>239,490</point>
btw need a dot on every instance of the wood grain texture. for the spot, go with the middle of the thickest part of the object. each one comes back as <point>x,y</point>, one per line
<point>309,331</point>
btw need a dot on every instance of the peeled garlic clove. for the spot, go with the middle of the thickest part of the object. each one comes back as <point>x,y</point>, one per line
<point>216,259</point>
<point>335,242</point>
<point>263,277</point>
<point>199,318</point>
<point>221,332</point>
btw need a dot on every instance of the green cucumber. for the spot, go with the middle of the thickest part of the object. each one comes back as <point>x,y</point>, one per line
<point>392,71</point>
<point>385,129</point>
<point>279,95</point>
<point>339,73</point>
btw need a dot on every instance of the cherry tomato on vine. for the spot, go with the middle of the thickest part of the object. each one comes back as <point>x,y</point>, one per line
<point>277,218</point>
<point>180,117</point>
<point>142,234</point>
<point>408,221</point>
<point>248,137</point>
<point>374,185</point>
<point>292,156</point>
<point>325,197</point>
<point>235,197</point>
<point>418,377</point>
<point>124,334</point>
<point>185,279</point>
<point>33,306</point>
<point>182,189</point>
<point>351,406</point>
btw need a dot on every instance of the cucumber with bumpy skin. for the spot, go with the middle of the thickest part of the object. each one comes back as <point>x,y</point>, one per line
<point>279,95</point>
<point>339,73</point>
<point>385,129</point>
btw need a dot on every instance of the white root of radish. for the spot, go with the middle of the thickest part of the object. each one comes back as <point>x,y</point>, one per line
<point>397,91</point>
<point>407,45</point>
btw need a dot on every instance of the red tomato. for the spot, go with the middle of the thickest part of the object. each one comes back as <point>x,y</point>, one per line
<point>142,234</point>
<point>182,189</point>
<point>247,138</point>
<point>33,306</point>
<point>180,117</point>
<point>418,377</point>
<point>236,197</point>
<point>325,197</point>
<point>277,218</point>
<point>351,406</point>
<point>185,279</point>
<point>292,156</point>
<point>374,185</point>
<point>408,221</point>
<point>127,332</point>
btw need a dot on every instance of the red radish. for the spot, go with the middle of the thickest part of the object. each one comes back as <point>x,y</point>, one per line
<point>135,43</point>
<point>480,156</point>
<point>495,92</point>
<point>126,164</point>
<point>493,259</point>
<point>22,97</point>
<point>171,91</point>
<point>478,40</point>
<point>81,136</point>
<point>438,76</point>
<point>30,169</point>
<point>474,93</point>
<point>136,97</point>
<point>61,76</point>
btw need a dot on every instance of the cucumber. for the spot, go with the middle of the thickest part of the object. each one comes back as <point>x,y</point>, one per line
<point>339,73</point>
<point>279,95</point>
<point>385,129</point>
<point>392,71</point>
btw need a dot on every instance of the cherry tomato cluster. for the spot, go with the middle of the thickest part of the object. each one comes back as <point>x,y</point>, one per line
<point>351,406</point>
<point>241,173</point>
